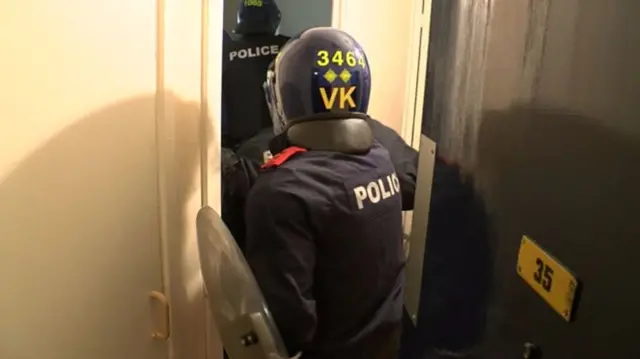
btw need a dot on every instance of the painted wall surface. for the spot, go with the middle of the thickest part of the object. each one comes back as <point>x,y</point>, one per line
<point>99,176</point>
<point>384,33</point>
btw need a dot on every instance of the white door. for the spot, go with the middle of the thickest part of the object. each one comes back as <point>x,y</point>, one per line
<point>399,69</point>
<point>391,62</point>
<point>79,222</point>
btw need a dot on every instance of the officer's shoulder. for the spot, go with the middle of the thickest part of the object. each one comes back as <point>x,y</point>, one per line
<point>279,159</point>
<point>379,129</point>
<point>283,38</point>
<point>275,185</point>
<point>281,172</point>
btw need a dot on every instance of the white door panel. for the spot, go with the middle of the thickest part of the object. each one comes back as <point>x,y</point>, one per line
<point>79,228</point>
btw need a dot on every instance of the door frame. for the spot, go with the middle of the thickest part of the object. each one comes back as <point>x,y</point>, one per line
<point>417,65</point>
<point>417,73</point>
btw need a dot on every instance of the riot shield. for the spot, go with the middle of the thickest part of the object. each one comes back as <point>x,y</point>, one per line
<point>234,298</point>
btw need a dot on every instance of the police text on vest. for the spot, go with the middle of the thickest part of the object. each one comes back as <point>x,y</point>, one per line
<point>377,190</point>
<point>257,51</point>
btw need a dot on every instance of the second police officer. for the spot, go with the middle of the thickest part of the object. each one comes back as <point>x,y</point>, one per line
<point>324,218</point>
<point>246,58</point>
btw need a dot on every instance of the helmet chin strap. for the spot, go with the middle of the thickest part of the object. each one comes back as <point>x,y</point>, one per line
<point>271,98</point>
<point>277,119</point>
<point>281,126</point>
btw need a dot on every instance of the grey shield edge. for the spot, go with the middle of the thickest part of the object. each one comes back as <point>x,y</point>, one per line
<point>419,224</point>
<point>239,311</point>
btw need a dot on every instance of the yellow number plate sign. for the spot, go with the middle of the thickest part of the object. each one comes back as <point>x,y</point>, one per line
<point>547,276</point>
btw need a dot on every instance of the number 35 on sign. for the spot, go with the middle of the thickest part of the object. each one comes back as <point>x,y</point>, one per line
<point>547,277</point>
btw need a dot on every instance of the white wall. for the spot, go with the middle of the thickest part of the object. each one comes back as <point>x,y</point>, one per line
<point>385,29</point>
<point>84,120</point>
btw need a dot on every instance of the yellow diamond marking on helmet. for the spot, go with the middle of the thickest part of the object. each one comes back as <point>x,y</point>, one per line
<point>330,76</point>
<point>345,76</point>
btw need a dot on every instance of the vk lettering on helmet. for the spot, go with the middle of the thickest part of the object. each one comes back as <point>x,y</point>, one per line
<point>377,190</point>
<point>344,96</point>
<point>337,68</point>
<point>252,52</point>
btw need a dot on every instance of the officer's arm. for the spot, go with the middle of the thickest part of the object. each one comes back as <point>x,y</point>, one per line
<point>405,163</point>
<point>281,253</point>
<point>238,173</point>
<point>407,175</point>
<point>404,158</point>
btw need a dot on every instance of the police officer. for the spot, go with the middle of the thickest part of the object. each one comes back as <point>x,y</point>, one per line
<point>241,168</point>
<point>324,218</point>
<point>247,55</point>
<point>403,157</point>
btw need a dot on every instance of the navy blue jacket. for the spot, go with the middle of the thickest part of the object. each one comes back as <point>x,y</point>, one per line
<point>245,64</point>
<point>403,157</point>
<point>241,170</point>
<point>324,241</point>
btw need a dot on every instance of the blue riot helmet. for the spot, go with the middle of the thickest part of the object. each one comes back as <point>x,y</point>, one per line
<point>257,17</point>
<point>320,74</point>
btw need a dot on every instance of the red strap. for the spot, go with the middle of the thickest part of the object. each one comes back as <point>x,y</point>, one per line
<point>283,156</point>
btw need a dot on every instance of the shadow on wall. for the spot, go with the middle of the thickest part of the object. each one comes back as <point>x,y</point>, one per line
<point>84,210</point>
<point>571,183</point>
<point>457,270</point>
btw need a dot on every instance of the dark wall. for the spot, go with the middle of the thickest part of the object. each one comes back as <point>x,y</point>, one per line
<point>552,146</point>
